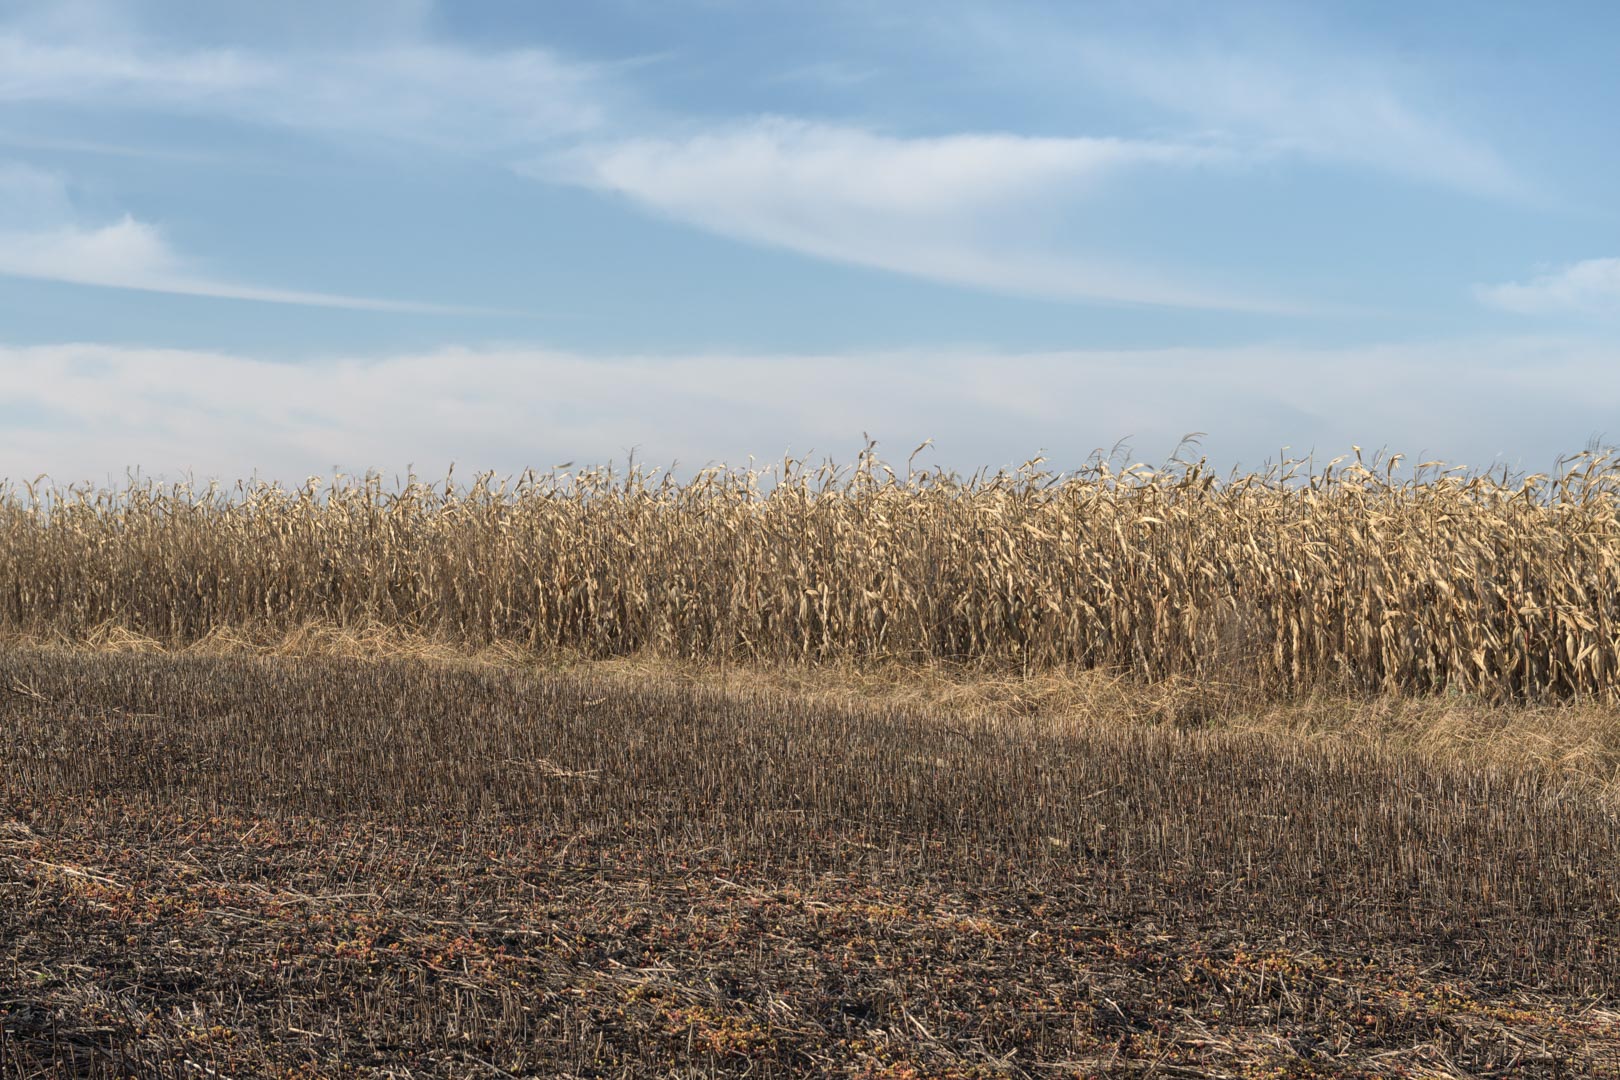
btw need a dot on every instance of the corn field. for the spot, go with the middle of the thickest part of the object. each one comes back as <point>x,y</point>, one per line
<point>1352,575</point>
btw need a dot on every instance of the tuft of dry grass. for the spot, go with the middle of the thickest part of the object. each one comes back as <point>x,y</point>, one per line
<point>1282,582</point>
<point>1578,742</point>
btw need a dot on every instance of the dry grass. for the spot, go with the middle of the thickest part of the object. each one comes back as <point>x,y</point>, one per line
<point>1282,583</point>
<point>1571,741</point>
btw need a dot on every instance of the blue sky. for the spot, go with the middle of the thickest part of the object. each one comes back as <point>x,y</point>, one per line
<point>290,238</point>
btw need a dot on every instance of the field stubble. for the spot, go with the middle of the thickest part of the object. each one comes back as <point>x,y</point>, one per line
<point>296,866</point>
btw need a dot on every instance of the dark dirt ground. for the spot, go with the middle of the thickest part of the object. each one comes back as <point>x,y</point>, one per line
<point>233,867</point>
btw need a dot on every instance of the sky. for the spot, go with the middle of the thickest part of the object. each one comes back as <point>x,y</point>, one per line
<point>284,240</point>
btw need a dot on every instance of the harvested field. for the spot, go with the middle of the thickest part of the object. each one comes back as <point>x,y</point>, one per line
<point>248,866</point>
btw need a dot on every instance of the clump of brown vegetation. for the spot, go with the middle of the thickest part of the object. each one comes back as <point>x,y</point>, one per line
<point>1282,581</point>
<point>243,866</point>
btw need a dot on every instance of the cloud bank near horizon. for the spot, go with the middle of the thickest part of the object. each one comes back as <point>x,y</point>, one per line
<point>86,413</point>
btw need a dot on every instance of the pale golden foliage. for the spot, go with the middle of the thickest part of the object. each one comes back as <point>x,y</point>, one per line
<point>1280,582</point>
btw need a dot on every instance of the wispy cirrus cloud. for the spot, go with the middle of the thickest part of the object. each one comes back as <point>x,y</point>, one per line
<point>933,207</point>
<point>42,237</point>
<point>1588,287</point>
<point>130,254</point>
<point>834,74</point>
<point>410,89</point>
<point>965,208</point>
<point>403,86</point>
<point>1267,89</point>
<point>1331,108</point>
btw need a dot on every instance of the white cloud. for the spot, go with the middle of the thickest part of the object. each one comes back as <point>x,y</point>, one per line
<point>389,83</point>
<point>947,208</point>
<point>829,74</point>
<point>43,237</point>
<point>131,254</point>
<point>413,90</point>
<point>32,70</point>
<point>86,412</point>
<point>1331,108</point>
<point>1264,87</point>
<point>966,209</point>
<point>791,161</point>
<point>1588,287</point>
<point>28,194</point>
